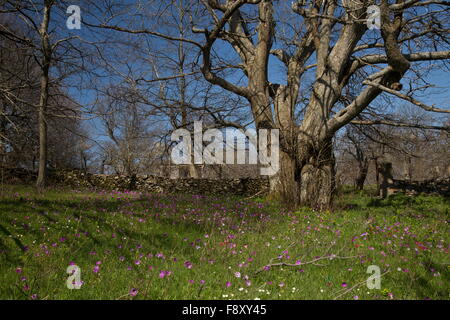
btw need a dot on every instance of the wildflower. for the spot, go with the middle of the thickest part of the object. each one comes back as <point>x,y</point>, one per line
<point>188,264</point>
<point>344,285</point>
<point>133,292</point>
<point>237,274</point>
<point>96,269</point>
<point>228,284</point>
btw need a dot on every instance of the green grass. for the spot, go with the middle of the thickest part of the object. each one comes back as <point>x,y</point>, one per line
<point>206,242</point>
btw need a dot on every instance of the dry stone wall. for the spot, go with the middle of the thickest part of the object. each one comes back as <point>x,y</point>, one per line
<point>148,183</point>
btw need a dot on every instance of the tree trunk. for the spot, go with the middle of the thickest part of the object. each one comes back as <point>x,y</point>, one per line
<point>317,179</point>
<point>42,169</point>
<point>43,101</point>
<point>311,184</point>
<point>284,186</point>
<point>362,174</point>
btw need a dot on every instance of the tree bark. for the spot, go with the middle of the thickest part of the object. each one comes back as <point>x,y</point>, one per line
<point>362,174</point>
<point>285,184</point>
<point>43,101</point>
<point>317,178</point>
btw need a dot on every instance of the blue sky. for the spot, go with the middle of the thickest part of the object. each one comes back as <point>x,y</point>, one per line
<point>439,96</point>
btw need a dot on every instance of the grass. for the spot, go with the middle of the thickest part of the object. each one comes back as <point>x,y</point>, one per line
<point>152,246</point>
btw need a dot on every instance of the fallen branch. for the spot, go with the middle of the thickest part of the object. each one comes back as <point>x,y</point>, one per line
<point>314,261</point>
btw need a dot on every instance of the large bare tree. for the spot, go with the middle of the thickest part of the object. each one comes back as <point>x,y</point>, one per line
<point>323,46</point>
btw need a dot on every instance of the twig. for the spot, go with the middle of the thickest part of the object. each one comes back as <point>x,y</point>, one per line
<point>284,264</point>
<point>356,285</point>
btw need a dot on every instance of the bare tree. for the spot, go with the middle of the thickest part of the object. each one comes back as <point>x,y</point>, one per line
<point>328,43</point>
<point>43,41</point>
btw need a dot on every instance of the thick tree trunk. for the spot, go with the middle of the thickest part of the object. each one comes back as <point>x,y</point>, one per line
<point>317,179</point>
<point>311,184</point>
<point>284,185</point>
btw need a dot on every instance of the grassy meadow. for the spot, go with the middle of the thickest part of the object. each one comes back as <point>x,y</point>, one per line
<point>131,245</point>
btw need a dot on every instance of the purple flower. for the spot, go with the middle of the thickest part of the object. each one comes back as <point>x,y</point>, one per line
<point>228,284</point>
<point>19,270</point>
<point>133,292</point>
<point>96,269</point>
<point>344,285</point>
<point>188,264</point>
<point>34,296</point>
<point>237,274</point>
<point>164,273</point>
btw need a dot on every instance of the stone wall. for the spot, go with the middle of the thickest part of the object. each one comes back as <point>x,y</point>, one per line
<point>148,183</point>
<point>436,186</point>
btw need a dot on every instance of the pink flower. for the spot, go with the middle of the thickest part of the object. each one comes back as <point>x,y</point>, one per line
<point>96,269</point>
<point>237,274</point>
<point>228,284</point>
<point>133,292</point>
<point>344,285</point>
